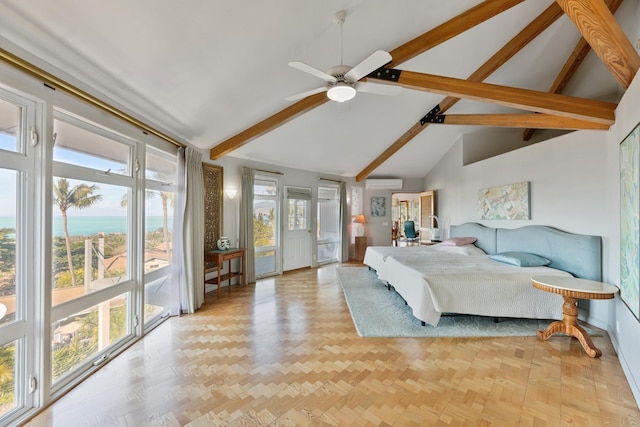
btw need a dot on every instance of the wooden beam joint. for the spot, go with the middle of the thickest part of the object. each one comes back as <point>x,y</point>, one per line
<point>433,116</point>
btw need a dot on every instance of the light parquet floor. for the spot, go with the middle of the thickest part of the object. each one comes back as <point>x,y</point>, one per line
<point>284,352</point>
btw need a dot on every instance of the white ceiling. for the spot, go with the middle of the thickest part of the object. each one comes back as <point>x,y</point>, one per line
<point>204,70</point>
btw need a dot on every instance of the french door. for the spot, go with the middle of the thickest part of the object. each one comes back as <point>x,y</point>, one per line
<point>297,229</point>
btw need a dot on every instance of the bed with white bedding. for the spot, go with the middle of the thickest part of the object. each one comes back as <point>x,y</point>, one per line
<point>376,256</point>
<point>433,282</point>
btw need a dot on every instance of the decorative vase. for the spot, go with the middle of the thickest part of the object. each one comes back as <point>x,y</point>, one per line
<point>224,243</point>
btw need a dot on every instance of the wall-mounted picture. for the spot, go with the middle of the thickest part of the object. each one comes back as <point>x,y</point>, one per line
<point>629,227</point>
<point>504,202</point>
<point>378,206</point>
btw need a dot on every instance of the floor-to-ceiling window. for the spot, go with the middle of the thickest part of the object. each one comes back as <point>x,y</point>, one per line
<point>94,233</point>
<point>159,196</point>
<point>17,234</point>
<point>86,208</point>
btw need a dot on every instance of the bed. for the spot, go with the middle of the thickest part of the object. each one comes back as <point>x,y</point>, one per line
<point>433,282</point>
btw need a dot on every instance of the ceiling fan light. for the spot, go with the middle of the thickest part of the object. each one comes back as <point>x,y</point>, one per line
<point>341,92</point>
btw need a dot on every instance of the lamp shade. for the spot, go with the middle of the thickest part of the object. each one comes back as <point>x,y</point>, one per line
<point>360,219</point>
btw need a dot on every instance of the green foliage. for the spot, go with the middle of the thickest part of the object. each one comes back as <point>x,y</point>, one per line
<point>7,369</point>
<point>85,343</point>
<point>7,249</point>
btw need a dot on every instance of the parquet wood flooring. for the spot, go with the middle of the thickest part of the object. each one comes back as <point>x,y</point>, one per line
<point>284,352</point>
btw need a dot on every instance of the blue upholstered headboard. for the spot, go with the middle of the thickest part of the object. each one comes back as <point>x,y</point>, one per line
<point>578,254</point>
<point>486,236</point>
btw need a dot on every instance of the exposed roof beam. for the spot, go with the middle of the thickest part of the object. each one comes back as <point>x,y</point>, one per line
<point>540,121</point>
<point>530,32</point>
<point>531,100</point>
<point>451,28</point>
<point>571,66</point>
<point>457,25</point>
<point>600,29</point>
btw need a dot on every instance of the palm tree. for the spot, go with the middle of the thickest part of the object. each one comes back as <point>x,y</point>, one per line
<point>80,196</point>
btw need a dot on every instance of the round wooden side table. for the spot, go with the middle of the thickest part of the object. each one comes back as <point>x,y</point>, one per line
<point>572,289</point>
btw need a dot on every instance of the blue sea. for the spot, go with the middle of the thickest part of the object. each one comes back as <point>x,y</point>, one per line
<point>88,225</point>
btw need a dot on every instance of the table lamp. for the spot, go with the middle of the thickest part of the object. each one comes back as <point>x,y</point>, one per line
<point>359,220</point>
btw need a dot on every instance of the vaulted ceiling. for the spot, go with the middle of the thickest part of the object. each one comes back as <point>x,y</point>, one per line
<point>215,74</point>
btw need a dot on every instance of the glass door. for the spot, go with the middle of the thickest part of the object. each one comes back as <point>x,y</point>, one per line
<point>328,224</point>
<point>266,217</point>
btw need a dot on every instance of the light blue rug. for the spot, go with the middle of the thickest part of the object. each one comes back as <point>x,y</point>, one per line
<point>378,312</point>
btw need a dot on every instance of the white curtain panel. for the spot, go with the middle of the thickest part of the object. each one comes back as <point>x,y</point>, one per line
<point>344,223</point>
<point>188,245</point>
<point>246,222</point>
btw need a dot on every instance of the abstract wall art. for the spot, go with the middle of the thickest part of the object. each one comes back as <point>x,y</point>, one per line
<point>504,202</point>
<point>629,227</point>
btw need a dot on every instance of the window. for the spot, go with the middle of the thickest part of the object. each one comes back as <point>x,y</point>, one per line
<point>160,173</point>
<point>17,238</point>
<point>93,233</point>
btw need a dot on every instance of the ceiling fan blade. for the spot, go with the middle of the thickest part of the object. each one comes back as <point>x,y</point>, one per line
<point>307,93</point>
<point>376,60</point>
<point>313,71</point>
<point>380,89</point>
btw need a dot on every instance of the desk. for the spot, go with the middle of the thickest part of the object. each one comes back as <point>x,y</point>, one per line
<point>571,290</point>
<point>219,257</point>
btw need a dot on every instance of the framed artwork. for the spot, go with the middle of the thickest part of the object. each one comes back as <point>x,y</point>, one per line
<point>356,201</point>
<point>505,202</point>
<point>629,228</point>
<point>212,175</point>
<point>378,206</point>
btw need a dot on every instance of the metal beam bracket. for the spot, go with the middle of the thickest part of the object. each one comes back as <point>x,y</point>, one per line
<point>433,116</point>
<point>389,74</point>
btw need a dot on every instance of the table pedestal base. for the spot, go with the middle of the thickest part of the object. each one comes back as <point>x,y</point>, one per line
<point>569,325</point>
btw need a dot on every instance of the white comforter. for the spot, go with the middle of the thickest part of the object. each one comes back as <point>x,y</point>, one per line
<point>445,283</point>
<point>376,256</point>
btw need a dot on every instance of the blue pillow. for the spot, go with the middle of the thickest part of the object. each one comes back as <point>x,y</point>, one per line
<point>521,259</point>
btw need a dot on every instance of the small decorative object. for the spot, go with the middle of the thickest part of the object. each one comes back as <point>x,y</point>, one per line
<point>378,206</point>
<point>224,243</point>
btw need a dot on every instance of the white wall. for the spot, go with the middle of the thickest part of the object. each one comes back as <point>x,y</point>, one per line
<point>574,187</point>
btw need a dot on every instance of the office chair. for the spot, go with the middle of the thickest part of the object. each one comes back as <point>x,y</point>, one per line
<point>410,232</point>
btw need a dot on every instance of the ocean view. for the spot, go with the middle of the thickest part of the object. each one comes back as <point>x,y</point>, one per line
<point>88,225</point>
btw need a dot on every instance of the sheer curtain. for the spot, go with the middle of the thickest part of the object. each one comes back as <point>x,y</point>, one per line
<point>246,222</point>
<point>344,223</point>
<point>188,240</point>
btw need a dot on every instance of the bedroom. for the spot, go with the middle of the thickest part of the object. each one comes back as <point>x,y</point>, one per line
<point>574,187</point>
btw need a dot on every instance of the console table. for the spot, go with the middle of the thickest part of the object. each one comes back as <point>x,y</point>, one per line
<point>572,289</point>
<point>219,257</point>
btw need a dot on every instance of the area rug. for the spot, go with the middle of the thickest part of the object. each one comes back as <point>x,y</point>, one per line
<point>379,312</point>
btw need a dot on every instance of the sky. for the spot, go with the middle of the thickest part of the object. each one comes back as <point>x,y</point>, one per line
<point>112,195</point>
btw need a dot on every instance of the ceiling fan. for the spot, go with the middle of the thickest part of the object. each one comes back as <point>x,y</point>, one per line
<point>342,80</point>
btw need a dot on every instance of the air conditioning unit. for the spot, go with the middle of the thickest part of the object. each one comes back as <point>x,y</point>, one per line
<point>383,184</point>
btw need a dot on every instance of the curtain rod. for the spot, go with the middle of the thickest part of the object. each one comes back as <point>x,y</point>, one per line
<point>266,171</point>
<point>330,180</point>
<point>54,82</point>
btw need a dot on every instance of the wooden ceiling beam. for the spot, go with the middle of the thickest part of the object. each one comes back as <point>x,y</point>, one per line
<point>525,99</point>
<point>571,65</point>
<point>466,20</point>
<point>539,121</point>
<point>515,45</point>
<point>449,29</point>
<point>600,29</point>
